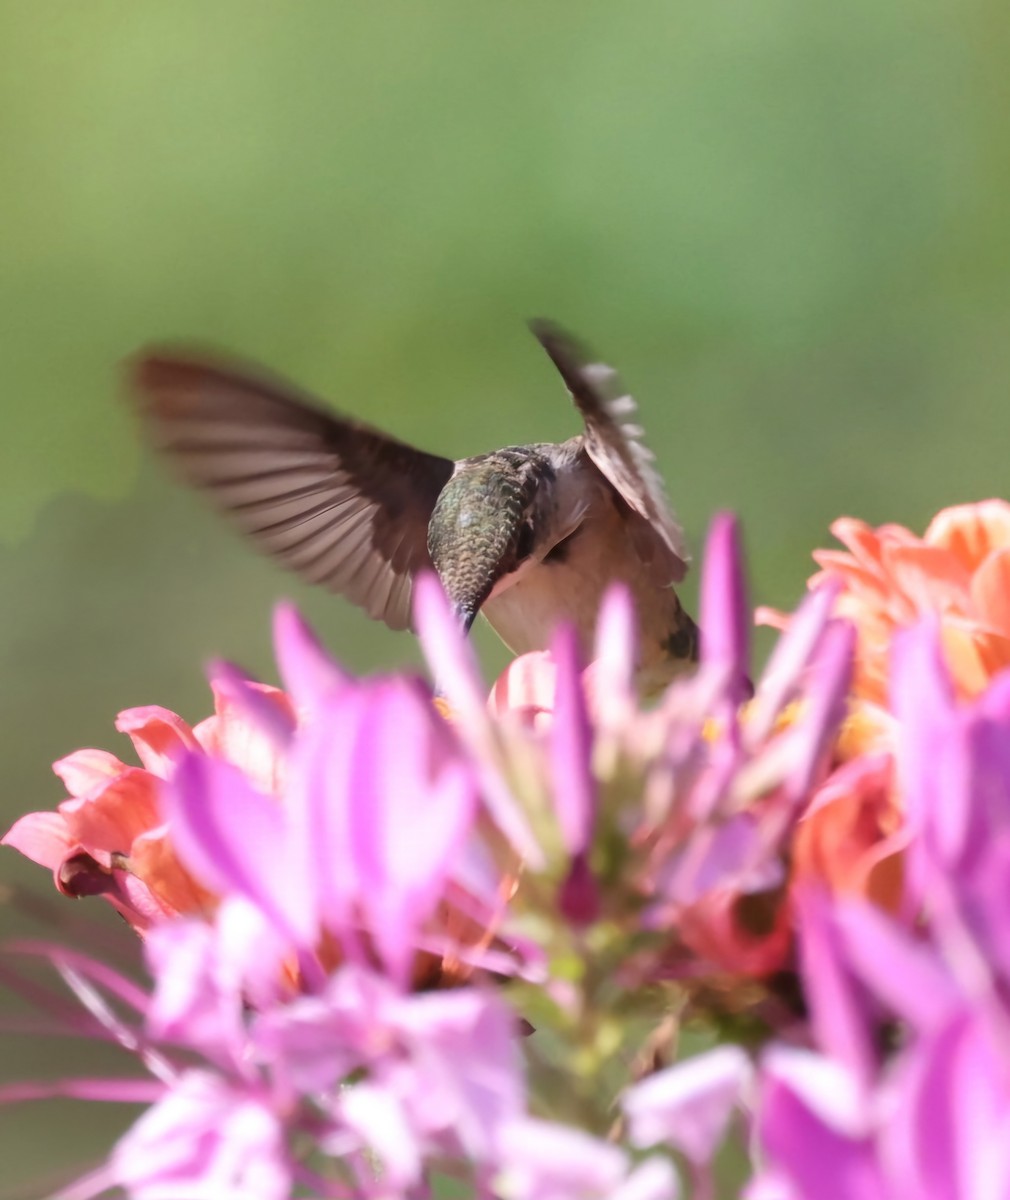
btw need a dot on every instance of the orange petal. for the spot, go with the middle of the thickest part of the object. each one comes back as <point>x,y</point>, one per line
<point>231,734</point>
<point>871,681</point>
<point>868,729</point>
<point>153,861</point>
<point>994,651</point>
<point>839,838</point>
<point>84,770</point>
<point>893,534</point>
<point>113,815</point>
<point>763,615</point>
<point>883,870</point>
<point>43,837</point>
<point>990,590</point>
<point>971,531</point>
<point>836,564</point>
<point>965,650</point>
<point>859,538</point>
<point>158,735</point>
<point>928,579</point>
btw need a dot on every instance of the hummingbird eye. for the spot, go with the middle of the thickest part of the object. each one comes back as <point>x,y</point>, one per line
<point>524,542</point>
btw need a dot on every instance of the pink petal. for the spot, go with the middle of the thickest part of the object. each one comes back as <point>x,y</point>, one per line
<point>204,1138</point>
<point>934,761</point>
<point>906,976</point>
<point>234,840</point>
<point>242,703</point>
<point>450,655</point>
<point>116,1091</point>
<point>571,748</point>
<point>451,660</point>
<point>782,678</point>
<point>725,637</point>
<point>377,1116</point>
<point>827,696</point>
<point>252,727</point>
<point>616,653</point>
<point>826,1087</point>
<point>947,1133</point>
<point>652,1179</point>
<point>546,1160</point>
<point>813,1129</point>
<point>308,672</point>
<point>840,1019</point>
<point>468,1079</point>
<point>409,808</point>
<point>319,780</point>
<point>689,1105</point>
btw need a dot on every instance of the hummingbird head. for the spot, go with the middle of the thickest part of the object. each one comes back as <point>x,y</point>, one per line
<point>481,527</point>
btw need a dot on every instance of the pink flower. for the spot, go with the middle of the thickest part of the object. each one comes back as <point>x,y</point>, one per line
<point>249,1100</point>
<point>689,1105</point>
<point>680,816</point>
<point>360,850</point>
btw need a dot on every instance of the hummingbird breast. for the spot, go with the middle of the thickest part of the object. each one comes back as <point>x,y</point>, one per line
<point>568,582</point>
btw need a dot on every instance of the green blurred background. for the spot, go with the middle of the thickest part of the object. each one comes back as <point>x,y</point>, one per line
<point>785,221</point>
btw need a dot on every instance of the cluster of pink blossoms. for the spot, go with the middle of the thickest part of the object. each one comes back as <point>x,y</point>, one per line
<point>402,944</point>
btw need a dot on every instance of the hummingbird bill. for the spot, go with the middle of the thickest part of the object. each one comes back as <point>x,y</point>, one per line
<point>530,536</point>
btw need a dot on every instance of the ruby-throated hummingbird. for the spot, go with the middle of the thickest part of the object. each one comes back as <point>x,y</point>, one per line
<point>528,535</point>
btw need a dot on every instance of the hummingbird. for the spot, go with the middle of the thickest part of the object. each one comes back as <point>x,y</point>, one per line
<point>528,535</point>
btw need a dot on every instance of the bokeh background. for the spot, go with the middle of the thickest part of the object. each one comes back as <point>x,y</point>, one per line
<point>787,222</point>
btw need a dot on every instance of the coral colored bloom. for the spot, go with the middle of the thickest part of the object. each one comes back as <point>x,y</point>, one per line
<point>889,579</point>
<point>958,571</point>
<point>852,835</point>
<point>109,838</point>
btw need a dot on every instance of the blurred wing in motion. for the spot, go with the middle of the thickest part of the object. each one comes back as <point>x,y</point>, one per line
<point>336,501</point>
<point>613,443</point>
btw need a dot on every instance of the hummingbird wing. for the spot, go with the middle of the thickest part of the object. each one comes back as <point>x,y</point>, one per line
<point>336,501</point>
<point>612,440</point>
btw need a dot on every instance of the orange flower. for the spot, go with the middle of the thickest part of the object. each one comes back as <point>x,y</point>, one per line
<point>851,837</point>
<point>108,838</point>
<point>959,572</point>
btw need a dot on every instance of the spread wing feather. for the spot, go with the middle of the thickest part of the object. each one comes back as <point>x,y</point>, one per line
<point>338,502</point>
<point>612,440</point>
